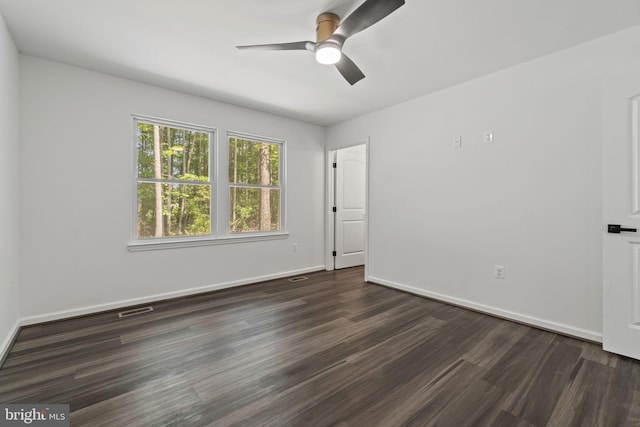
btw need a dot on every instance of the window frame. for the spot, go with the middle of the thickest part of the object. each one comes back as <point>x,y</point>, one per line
<point>282,184</point>
<point>219,203</point>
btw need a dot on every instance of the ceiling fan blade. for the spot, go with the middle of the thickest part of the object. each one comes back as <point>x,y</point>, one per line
<point>310,46</point>
<point>369,12</point>
<point>349,70</point>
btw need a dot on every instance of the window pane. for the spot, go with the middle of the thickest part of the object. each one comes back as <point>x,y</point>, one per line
<point>183,209</point>
<point>253,162</point>
<point>254,209</point>
<point>166,152</point>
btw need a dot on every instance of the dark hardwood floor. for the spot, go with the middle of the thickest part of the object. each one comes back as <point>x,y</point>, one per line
<point>330,350</point>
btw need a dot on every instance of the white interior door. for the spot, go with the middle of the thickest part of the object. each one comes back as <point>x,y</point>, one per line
<point>350,192</point>
<point>621,206</point>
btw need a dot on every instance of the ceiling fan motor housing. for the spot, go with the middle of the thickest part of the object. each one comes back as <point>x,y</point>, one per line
<point>326,23</point>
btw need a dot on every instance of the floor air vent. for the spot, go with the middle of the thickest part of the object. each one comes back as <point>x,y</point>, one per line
<point>135,311</point>
<point>298,279</point>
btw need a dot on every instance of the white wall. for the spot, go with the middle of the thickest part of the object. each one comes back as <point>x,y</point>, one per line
<point>76,192</point>
<point>9,201</point>
<point>440,218</point>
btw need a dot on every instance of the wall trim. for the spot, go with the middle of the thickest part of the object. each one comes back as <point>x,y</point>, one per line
<point>8,342</point>
<point>83,311</point>
<point>498,312</point>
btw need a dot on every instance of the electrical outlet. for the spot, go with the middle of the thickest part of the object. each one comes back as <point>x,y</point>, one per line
<point>294,247</point>
<point>498,271</point>
<point>487,137</point>
<point>457,142</point>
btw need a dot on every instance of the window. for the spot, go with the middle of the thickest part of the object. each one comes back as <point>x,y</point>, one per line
<point>255,184</point>
<point>180,201</point>
<point>174,185</point>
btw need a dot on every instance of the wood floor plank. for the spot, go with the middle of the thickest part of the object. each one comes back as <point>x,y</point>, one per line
<point>490,349</point>
<point>505,419</point>
<point>584,402</point>
<point>536,401</point>
<point>154,404</point>
<point>331,350</point>
<point>518,366</point>
<point>463,399</point>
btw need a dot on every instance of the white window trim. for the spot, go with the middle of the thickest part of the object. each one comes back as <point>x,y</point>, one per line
<point>187,242</point>
<point>220,194</point>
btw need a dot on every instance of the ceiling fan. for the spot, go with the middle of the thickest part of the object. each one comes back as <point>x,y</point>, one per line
<point>331,36</point>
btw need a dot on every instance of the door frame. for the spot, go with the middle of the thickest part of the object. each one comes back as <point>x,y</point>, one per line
<point>330,187</point>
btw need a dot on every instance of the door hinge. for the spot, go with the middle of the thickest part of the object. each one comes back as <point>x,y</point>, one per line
<point>335,253</point>
<point>335,165</point>
<point>335,209</point>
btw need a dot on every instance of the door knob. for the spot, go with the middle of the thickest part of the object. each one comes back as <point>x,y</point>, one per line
<point>617,229</point>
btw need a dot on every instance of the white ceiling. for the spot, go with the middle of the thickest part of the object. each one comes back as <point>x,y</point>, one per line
<point>188,45</point>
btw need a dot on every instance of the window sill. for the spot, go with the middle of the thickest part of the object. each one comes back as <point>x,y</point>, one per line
<point>141,246</point>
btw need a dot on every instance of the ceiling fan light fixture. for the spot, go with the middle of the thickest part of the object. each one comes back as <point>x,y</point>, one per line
<point>328,53</point>
<point>331,34</point>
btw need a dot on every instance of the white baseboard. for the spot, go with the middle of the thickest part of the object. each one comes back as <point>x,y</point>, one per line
<point>506,314</point>
<point>58,315</point>
<point>8,342</point>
